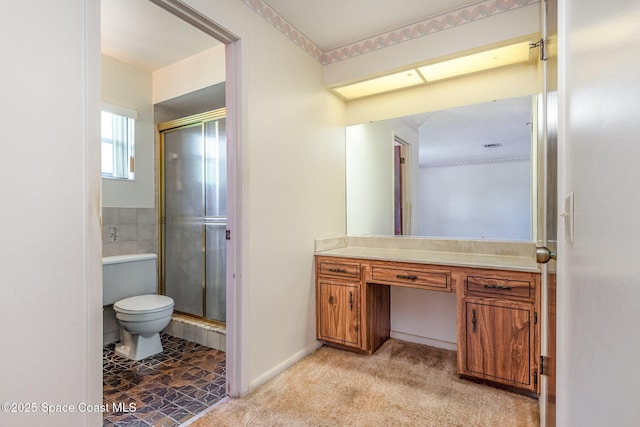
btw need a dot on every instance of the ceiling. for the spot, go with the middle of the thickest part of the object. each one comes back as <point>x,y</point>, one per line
<point>144,35</point>
<point>330,24</point>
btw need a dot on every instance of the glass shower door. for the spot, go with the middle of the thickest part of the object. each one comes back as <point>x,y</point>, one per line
<point>183,218</point>
<point>194,216</point>
<point>215,219</point>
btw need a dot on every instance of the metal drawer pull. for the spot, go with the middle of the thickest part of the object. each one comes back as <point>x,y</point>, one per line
<point>407,276</point>
<point>473,320</point>
<point>337,270</point>
<point>500,287</point>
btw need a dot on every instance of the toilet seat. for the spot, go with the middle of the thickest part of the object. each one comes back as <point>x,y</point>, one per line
<point>143,304</point>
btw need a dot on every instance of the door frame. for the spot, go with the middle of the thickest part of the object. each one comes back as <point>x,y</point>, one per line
<point>237,298</point>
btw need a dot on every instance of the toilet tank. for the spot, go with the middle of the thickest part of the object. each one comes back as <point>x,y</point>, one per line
<point>126,276</point>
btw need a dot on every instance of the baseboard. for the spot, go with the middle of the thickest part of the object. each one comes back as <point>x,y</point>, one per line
<point>424,340</point>
<point>281,367</point>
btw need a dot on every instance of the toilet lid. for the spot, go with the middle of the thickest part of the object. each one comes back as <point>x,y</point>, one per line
<point>143,304</point>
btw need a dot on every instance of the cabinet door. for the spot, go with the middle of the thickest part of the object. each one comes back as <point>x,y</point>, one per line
<point>499,342</point>
<point>339,312</point>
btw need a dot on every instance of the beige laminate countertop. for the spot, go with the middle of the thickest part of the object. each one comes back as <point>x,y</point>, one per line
<point>513,262</point>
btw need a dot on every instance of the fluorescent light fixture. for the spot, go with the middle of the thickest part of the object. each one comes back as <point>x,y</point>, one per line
<point>387,83</point>
<point>481,61</point>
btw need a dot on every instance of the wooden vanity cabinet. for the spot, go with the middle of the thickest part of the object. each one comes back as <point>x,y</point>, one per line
<point>498,327</point>
<point>347,316</point>
<point>497,313</point>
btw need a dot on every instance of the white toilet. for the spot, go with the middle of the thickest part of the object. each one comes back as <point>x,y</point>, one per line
<point>130,283</point>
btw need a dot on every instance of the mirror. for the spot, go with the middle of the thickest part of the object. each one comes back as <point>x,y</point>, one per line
<point>464,173</point>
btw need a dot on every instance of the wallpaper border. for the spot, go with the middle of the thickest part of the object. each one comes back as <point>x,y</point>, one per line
<point>452,19</point>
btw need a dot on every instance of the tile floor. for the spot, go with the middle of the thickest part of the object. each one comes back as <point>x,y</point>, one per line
<point>163,390</point>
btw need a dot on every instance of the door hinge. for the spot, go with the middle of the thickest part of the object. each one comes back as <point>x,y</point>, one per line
<point>402,160</point>
<point>227,234</point>
<point>535,318</point>
<point>543,365</point>
<point>543,50</point>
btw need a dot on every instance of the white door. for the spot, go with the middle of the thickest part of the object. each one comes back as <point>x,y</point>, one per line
<point>599,158</point>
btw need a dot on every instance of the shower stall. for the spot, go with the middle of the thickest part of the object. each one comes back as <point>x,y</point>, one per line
<point>193,214</point>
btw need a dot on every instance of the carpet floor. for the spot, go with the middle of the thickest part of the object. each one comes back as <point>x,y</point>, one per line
<point>402,384</point>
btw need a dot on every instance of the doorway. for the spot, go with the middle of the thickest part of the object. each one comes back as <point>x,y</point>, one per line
<point>399,183</point>
<point>162,32</point>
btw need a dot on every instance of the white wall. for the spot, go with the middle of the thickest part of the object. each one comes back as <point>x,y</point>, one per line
<point>598,285</point>
<point>425,317</point>
<point>293,187</point>
<point>128,86</point>
<point>476,201</point>
<point>50,310</point>
<point>204,69</point>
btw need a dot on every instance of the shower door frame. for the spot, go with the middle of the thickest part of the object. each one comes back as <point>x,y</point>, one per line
<point>161,128</point>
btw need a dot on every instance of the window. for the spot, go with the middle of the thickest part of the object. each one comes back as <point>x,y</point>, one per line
<point>118,142</point>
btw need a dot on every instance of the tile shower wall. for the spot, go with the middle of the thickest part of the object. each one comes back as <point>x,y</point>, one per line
<point>129,231</point>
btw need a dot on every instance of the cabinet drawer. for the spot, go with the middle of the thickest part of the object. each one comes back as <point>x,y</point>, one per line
<point>505,287</point>
<point>347,270</point>
<point>433,279</point>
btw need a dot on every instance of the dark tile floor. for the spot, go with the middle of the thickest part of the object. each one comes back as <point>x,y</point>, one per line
<point>162,390</point>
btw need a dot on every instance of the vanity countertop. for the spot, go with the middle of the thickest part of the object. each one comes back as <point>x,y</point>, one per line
<point>476,254</point>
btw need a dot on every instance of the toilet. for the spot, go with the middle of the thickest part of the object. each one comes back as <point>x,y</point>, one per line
<point>130,283</point>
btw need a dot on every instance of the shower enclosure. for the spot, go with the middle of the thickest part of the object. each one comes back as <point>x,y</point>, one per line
<point>193,214</point>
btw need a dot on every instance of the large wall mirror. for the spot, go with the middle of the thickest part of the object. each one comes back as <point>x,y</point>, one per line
<point>466,173</point>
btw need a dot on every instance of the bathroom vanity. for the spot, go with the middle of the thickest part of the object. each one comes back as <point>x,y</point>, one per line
<point>497,287</point>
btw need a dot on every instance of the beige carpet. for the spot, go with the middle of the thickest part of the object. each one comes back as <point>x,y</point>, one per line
<point>402,384</point>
